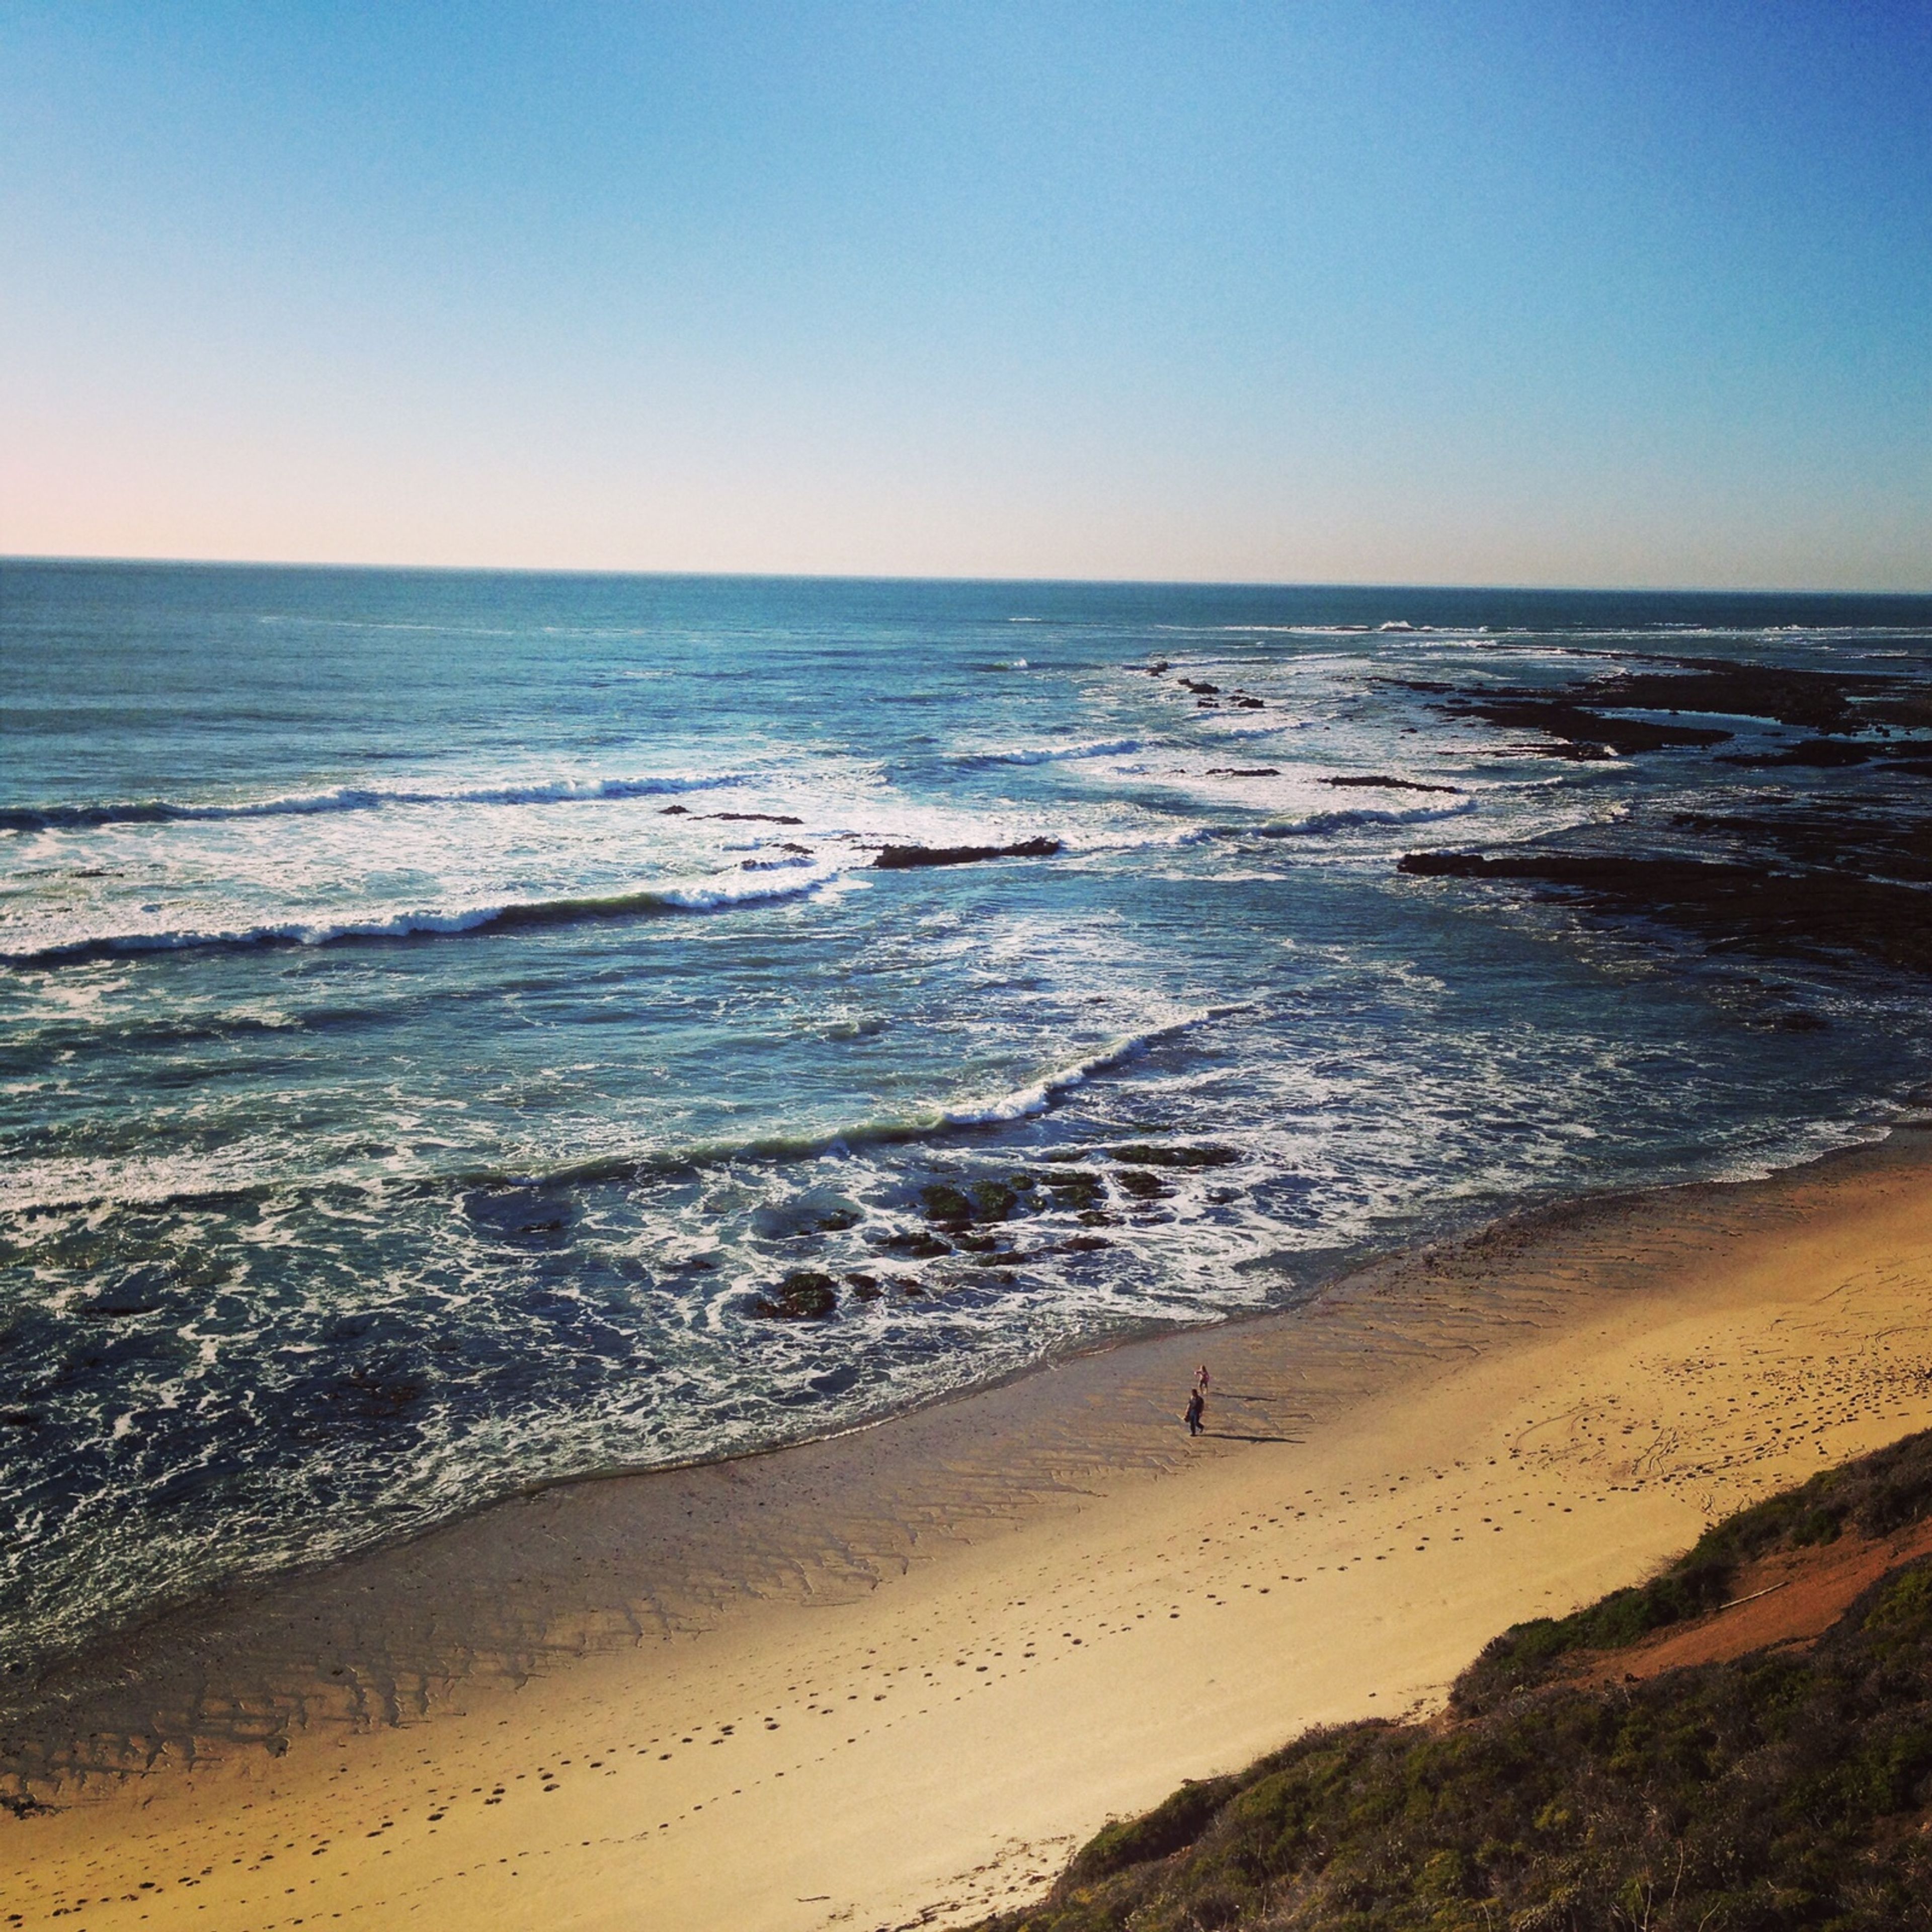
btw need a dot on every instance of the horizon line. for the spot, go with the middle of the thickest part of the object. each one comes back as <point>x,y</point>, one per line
<point>913,577</point>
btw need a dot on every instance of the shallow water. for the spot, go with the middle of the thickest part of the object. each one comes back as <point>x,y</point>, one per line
<point>438,1006</point>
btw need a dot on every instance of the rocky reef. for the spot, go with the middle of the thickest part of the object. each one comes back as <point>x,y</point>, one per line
<point>901,858</point>
<point>1831,860</point>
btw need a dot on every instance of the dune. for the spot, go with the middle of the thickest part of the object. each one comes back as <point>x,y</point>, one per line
<point>892,1678</point>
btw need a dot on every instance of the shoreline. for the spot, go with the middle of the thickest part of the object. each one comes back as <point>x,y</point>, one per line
<point>121,1651</point>
<point>547,1614</point>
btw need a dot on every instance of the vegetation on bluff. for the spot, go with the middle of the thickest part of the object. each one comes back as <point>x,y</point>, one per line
<point>1779,1790</point>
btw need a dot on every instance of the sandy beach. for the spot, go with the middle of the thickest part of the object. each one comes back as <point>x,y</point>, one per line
<point>892,1678</point>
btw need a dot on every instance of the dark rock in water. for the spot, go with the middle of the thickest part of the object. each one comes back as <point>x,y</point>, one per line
<point>954,1207</point>
<point>1250,703</point>
<point>1811,701</point>
<point>1080,1189</point>
<point>18,1418</point>
<point>1836,703</point>
<point>1176,1157</point>
<point>865,1286</point>
<point>754,818</point>
<point>804,1295</point>
<point>790,845</point>
<point>1244,772</point>
<point>521,1215</point>
<point>1575,753</point>
<point>675,811</point>
<point>1200,689</point>
<point>1351,781</point>
<point>1577,728</point>
<point>1144,1186</point>
<point>1834,833</point>
<point>1739,904</point>
<point>1826,754</point>
<point>817,1210</point>
<point>915,1242</point>
<point>937,1202</point>
<point>900,858</point>
<point>867,1028</point>
<point>1085,1244</point>
<point>995,1201</point>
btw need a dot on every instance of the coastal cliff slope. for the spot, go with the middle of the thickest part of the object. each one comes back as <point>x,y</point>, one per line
<point>1745,1741</point>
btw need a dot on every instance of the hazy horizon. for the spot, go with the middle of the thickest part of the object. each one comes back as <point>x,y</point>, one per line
<point>990,577</point>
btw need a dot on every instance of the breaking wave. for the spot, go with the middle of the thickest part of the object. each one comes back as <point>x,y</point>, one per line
<point>1049,754</point>
<point>718,894</point>
<point>349,798</point>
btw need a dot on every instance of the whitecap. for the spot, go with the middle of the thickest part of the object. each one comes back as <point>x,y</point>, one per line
<point>356,798</point>
<point>1044,754</point>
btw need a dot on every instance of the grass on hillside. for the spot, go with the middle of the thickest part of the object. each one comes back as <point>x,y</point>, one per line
<point>1775,1792</point>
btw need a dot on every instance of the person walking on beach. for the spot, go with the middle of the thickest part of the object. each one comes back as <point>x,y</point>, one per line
<point>1202,1378</point>
<point>1197,1406</point>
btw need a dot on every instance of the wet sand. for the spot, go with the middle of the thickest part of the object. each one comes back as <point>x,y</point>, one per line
<point>892,1678</point>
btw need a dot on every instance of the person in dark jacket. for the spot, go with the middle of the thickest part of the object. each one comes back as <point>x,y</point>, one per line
<point>1197,1407</point>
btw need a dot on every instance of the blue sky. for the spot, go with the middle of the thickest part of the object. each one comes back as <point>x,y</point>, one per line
<point>1480,292</point>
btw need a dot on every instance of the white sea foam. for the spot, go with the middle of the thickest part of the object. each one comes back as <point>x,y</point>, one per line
<point>1354,816</point>
<point>719,892</point>
<point>1235,734</point>
<point>140,1179</point>
<point>1036,1097</point>
<point>1047,754</point>
<point>361,798</point>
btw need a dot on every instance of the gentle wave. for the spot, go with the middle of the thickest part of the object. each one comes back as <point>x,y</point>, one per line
<point>1049,754</point>
<point>1024,1102</point>
<point>1317,824</point>
<point>247,1172</point>
<point>349,798</point>
<point>718,894</point>
<point>1228,734</point>
<point>1020,1103</point>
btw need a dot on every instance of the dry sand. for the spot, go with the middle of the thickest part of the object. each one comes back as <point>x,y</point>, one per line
<point>893,1678</point>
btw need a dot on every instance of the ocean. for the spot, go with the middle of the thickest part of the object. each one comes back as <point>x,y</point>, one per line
<point>458,1033</point>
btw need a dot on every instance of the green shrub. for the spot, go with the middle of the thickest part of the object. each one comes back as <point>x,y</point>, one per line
<point>1175,1822</point>
<point>1774,1793</point>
